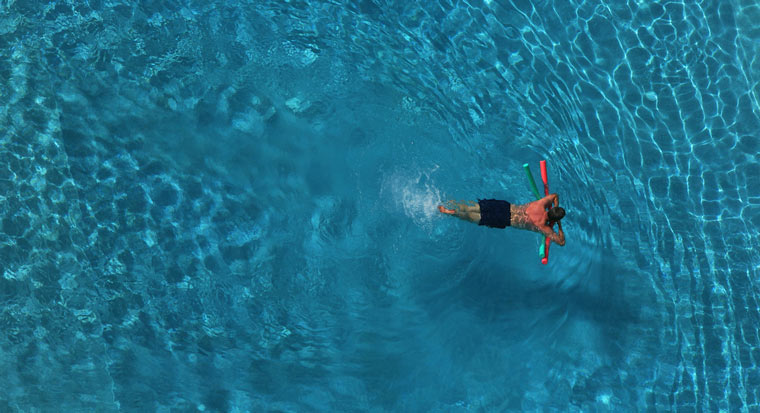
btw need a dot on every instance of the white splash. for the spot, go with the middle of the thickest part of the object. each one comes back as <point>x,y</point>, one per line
<point>415,193</point>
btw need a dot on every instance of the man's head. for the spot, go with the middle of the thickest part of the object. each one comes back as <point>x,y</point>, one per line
<point>556,213</point>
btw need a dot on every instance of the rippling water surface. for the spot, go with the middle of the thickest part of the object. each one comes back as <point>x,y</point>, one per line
<point>218,206</point>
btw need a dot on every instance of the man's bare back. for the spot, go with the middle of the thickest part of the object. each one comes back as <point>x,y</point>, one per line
<point>532,216</point>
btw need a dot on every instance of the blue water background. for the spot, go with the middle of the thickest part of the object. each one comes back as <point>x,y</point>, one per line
<point>230,206</point>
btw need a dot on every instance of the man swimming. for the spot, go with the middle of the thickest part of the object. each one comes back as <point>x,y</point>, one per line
<point>501,214</point>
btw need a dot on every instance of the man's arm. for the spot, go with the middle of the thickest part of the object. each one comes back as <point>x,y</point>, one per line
<point>548,200</point>
<point>555,237</point>
<point>561,235</point>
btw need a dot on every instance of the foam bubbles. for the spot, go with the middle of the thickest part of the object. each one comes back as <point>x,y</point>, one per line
<point>414,192</point>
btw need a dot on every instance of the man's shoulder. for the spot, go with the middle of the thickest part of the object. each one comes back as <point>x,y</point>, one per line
<point>532,205</point>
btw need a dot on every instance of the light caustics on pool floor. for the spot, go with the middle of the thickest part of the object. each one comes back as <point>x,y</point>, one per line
<point>228,207</point>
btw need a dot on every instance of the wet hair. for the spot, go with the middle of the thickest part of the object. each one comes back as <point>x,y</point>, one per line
<point>556,213</point>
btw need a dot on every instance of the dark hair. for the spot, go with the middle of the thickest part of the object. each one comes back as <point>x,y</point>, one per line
<point>556,213</point>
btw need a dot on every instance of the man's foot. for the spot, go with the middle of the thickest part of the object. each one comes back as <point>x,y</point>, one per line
<point>446,211</point>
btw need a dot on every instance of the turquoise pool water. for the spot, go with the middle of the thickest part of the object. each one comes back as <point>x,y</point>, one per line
<point>230,206</point>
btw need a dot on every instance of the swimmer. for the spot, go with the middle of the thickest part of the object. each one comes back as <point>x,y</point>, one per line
<point>501,214</point>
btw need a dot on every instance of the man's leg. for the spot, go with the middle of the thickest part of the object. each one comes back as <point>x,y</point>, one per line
<point>462,210</point>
